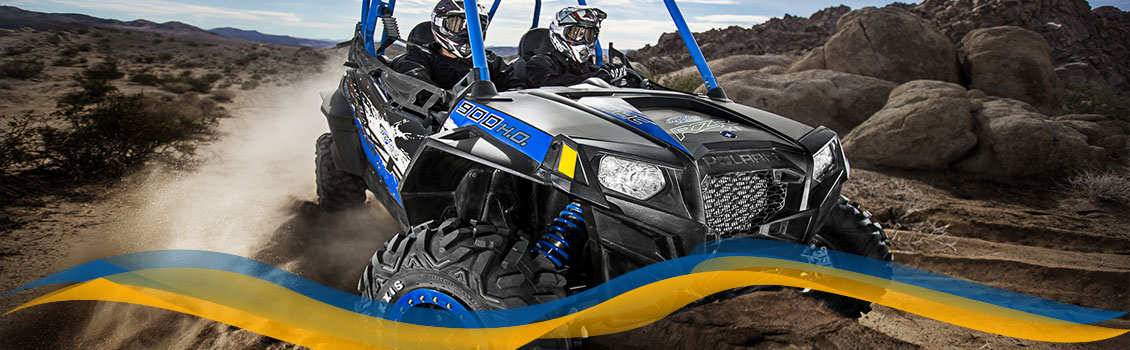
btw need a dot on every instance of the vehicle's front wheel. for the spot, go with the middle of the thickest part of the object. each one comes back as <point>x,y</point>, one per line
<point>460,267</point>
<point>849,229</point>
<point>337,190</point>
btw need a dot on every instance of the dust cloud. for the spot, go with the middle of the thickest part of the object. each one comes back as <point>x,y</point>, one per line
<point>252,195</point>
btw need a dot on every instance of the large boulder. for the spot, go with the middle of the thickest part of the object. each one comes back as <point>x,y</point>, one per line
<point>1012,62</point>
<point>925,125</point>
<point>722,66</point>
<point>790,35</point>
<point>1098,37</point>
<point>1100,131</point>
<point>933,125</point>
<point>888,43</point>
<point>837,100</point>
<point>1016,141</point>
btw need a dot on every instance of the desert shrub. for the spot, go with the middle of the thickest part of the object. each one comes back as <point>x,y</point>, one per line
<point>21,69</point>
<point>64,62</point>
<point>1108,186</point>
<point>83,47</point>
<point>16,50</point>
<point>164,56</point>
<point>70,51</point>
<point>54,39</point>
<point>204,83</point>
<point>99,132</point>
<point>223,95</point>
<point>82,30</point>
<point>106,70</point>
<point>176,87</point>
<point>686,84</point>
<point>5,32</point>
<point>249,84</point>
<point>186,64</point>
<point>15,146</point>
<point>145,78</point>
<point>122,131</point>
<point>95,83</point>
<point>1087,98</point>
<point>251,57</point>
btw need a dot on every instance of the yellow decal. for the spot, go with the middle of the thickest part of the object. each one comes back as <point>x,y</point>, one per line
<point>567,164</point>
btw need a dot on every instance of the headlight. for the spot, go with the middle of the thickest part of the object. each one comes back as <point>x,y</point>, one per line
<point>637,179</point>
<point>822,160</point>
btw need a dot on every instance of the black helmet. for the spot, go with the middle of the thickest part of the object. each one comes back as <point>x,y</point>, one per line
<point>574,30</point>
<point>449,25</point>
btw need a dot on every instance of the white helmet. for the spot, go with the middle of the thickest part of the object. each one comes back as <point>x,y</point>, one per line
<point>574,31</point>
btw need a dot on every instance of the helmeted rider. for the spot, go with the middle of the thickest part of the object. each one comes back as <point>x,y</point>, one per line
<point>573,33</point>
<point>447,60</point>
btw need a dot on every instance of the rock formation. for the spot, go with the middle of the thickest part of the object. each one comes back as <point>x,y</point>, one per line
<point>888,43</point>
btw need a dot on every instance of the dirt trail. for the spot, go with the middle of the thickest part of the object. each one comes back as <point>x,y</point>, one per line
<point>252,196</point>
<point>249,196</point>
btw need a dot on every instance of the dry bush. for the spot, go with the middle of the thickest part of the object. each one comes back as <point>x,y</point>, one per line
<point>895,202</point>
<point>1108,186</point>
<point>21,69</point>
<point>66,61</point>
<point>176,87</point>
<point>223,95</point>
<point>932,236</point>
<point>686,84</point>
<point>15,150</point>
<point>145,78</point>
<point>122,131</point>
<point>16,50</point>
<point>249,85</point>
<point>99,132</point>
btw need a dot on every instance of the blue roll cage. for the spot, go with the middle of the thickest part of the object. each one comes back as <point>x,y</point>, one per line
<point>372,10</point>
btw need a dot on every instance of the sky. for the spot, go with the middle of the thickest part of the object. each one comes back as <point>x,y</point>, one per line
<point>630,23</point>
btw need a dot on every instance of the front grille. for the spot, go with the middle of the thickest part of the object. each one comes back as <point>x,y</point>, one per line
<point>739,201</point>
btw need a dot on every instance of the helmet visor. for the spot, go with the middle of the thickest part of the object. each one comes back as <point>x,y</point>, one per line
<point>581,35</point>
<point>456,23</point>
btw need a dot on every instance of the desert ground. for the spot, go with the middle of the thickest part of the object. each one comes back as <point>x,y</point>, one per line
<point>249,190</point>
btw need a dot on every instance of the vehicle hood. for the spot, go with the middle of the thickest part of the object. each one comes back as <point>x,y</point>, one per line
<point>682,128</point>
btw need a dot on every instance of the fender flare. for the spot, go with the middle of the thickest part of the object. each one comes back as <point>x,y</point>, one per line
<point>348,155</point>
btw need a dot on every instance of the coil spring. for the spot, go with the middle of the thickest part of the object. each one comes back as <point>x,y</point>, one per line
<point>568,226</point>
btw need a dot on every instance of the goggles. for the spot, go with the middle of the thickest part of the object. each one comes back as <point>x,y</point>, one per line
<point>580,34</point>
<point>456,22</point>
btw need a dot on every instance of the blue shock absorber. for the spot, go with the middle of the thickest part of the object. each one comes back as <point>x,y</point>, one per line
<point>568,226</point>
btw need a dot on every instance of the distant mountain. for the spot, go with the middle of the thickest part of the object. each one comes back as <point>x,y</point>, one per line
<point>504,50</point>
<point>272,39</point>
<point>16,18</point>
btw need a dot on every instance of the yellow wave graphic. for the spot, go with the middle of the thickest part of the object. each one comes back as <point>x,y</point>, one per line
<point>271,310</point>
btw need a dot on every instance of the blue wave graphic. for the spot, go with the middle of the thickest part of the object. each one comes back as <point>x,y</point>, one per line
<point>122,265</point>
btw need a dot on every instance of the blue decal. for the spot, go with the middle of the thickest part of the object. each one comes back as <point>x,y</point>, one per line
<point>378,164</point>
<point>527,139</point>
<point>624,111</point>
<point>375,160</point>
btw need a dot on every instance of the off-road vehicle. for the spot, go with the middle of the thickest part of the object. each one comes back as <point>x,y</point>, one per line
<point>519,197</point>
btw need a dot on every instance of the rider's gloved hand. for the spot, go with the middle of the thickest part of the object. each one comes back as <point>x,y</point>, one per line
<point>612,71</point>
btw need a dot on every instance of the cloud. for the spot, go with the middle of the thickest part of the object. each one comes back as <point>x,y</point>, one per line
<point>168,9</point>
